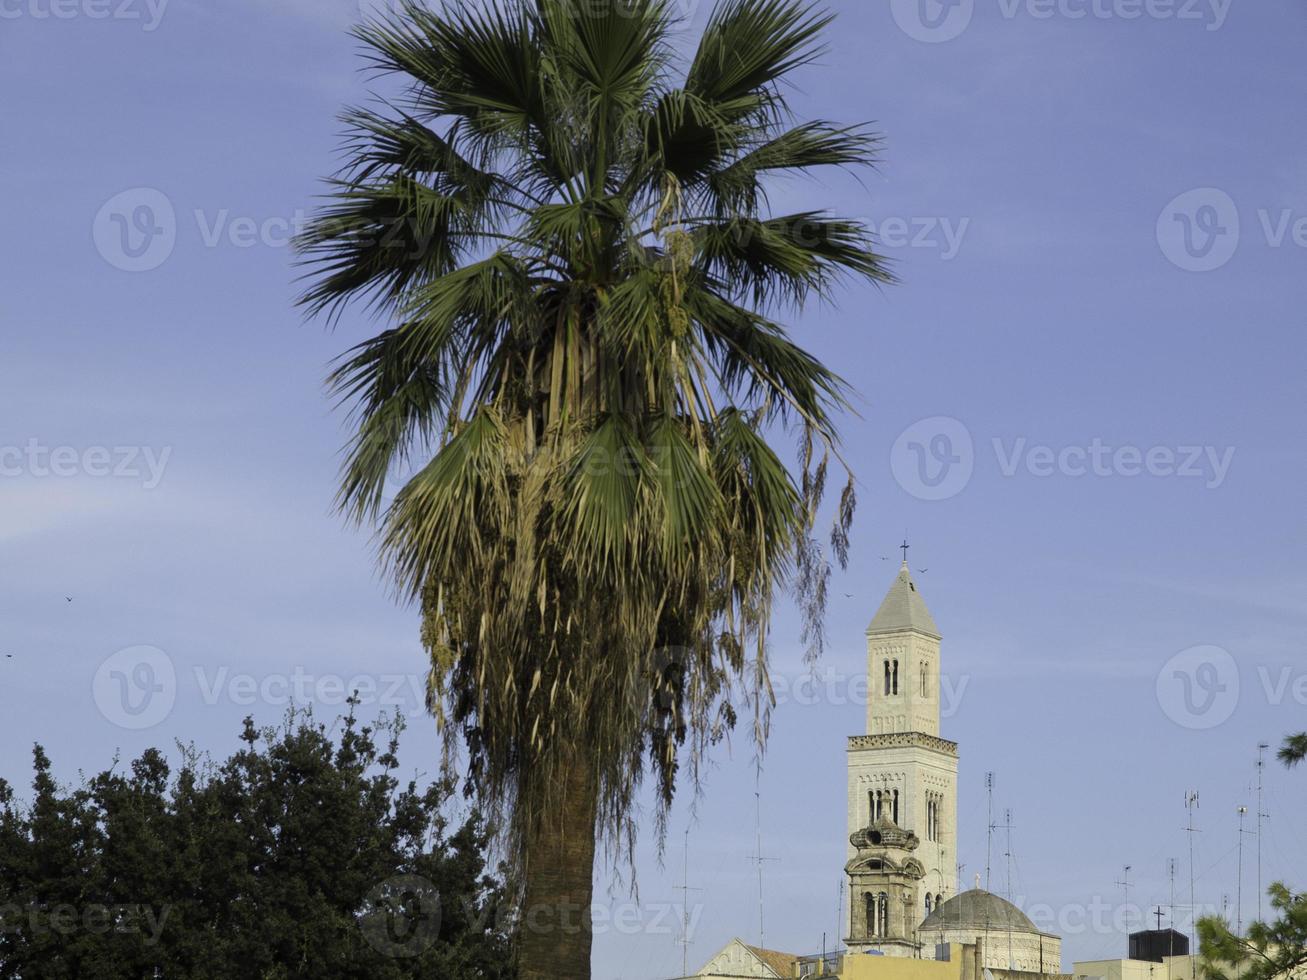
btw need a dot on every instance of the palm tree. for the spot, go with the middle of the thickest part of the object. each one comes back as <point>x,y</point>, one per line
<point>567,229</point>
<point>1294,749</point>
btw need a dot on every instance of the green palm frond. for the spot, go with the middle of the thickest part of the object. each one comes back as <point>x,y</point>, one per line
<point>1294,750</point>
<point>748,47</point>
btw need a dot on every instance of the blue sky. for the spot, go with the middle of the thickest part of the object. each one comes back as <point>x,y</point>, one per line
<point>1083,405</point>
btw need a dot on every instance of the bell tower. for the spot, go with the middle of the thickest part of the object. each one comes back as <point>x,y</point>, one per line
<point>902,771</point>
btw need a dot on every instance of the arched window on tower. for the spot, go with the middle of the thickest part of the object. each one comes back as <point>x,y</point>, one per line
<point>928,903</point>
<point>887,678</point>
<point>925,682</point>
<point>883,924</point>
<point>896,677</point>
<point>869,911</point>
<point>896,806</point>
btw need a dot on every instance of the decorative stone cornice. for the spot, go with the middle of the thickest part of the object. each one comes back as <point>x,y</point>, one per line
<point>897,740</point>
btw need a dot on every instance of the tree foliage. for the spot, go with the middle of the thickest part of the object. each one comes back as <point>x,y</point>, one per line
<point>1273,950</point>
<point>301,856</point>
<point>1294,750</point>
<point>568,227</point>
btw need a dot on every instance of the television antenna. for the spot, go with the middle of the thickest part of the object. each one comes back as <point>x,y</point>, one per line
<point>1191,804</point>
<point>1007,826</point>
<point>1261,815</point>
<point>989,840</point>
<point>1243,813</point>
<point>1170,870</point>
<point>759,859</point>
<point>1124,885</point>
<point>685,890</point>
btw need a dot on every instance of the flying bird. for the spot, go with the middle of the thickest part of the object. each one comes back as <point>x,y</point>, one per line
<point>68,598</point>
<point>923,571</point>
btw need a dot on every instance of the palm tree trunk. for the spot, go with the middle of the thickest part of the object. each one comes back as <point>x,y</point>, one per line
<point>556,930</point>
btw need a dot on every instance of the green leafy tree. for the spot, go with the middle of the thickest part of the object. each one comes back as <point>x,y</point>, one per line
<point>567,227</point>
<point>1269,951</point>
<point>299,857</point>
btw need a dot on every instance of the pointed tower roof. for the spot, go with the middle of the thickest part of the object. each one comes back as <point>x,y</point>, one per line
<point>903,609</point>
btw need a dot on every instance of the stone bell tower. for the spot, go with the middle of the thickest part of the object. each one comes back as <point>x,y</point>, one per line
<point>901,774</point>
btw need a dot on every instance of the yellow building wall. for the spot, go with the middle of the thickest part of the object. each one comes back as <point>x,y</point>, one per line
<point>1172,968</point>
<point>862,967</point>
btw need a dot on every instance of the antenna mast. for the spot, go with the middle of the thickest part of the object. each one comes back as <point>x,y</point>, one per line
<point>839,914</point>
<point>989,840</point>
<point>1191,804</point>
<point>758,858</point>
<point>1261,815</point>
<point>1007,826</point>
<point>1170,869</point>
<point>1124,884</point>
<point>685,890</point>
<point>1243,813</point>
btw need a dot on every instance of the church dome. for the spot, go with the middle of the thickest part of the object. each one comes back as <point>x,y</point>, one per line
<point>978,910</point>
